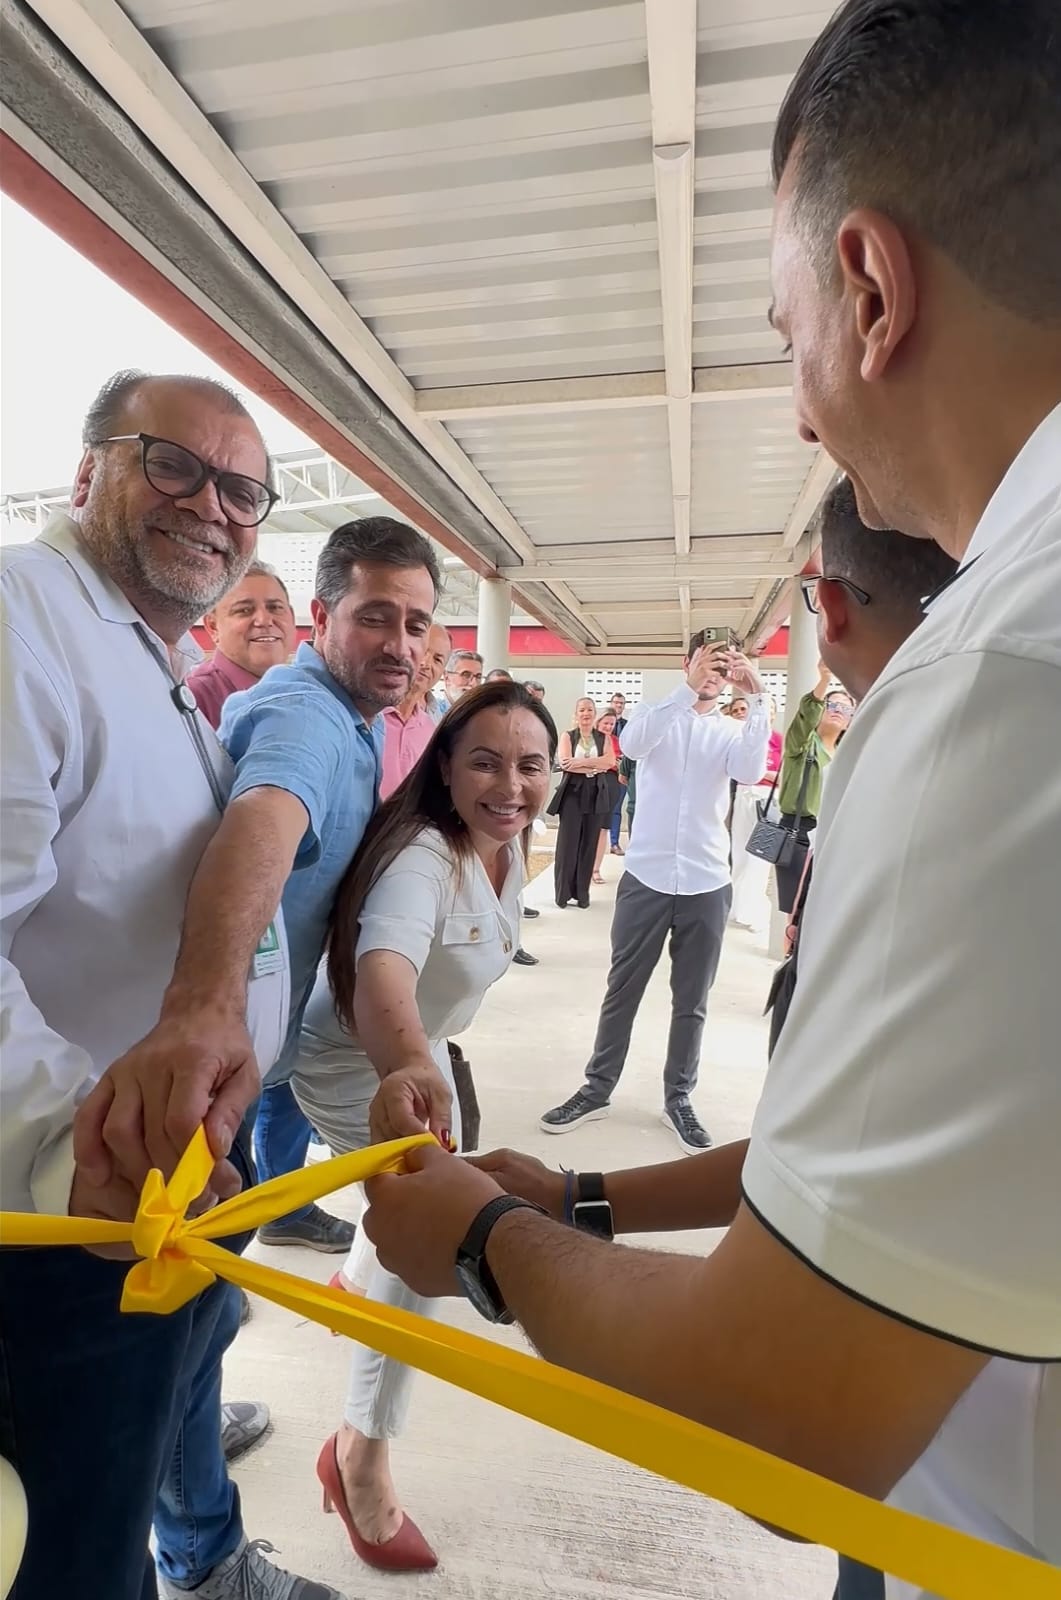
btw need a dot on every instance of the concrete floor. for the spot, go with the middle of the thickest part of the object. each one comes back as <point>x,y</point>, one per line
<point>516,1511</point>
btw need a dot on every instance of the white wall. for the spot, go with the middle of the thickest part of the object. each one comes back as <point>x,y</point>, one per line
<point>565,685</point>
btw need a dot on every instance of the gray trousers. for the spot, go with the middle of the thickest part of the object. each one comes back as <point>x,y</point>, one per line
<point>642,921</point>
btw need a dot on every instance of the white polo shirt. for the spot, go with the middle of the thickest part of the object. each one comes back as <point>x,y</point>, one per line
<point>908,1142</point>
<point>107,809</point>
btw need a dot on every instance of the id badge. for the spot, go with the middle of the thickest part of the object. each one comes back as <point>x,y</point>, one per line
<point>268,957</point>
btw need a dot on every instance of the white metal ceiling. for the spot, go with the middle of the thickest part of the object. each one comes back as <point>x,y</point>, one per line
<point>552,217</point>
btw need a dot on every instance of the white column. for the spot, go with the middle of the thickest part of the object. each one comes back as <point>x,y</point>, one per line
<point>495,615</point>
<point>803,656</point>
<point>801,675</point>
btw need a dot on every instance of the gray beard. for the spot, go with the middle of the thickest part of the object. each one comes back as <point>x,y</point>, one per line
<point>175,588</point>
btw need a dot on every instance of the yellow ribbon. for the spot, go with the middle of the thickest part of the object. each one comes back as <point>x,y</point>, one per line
<point>179,1261</point>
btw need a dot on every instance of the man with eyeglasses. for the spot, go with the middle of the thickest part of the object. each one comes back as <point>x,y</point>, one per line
<point>464,671</point>
<point>114,786</point>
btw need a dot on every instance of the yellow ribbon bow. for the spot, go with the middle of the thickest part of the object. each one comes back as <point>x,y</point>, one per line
<point>179,1261</point>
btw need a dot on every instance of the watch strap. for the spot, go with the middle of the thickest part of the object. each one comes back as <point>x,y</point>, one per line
<point>592,1212</point>
<point>473,1245</point>
<point>471,1253</point>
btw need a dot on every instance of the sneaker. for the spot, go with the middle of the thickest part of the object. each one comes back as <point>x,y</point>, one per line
<point>687,1129</point>
<point>580,1108</point>
<point>318,1230</point>
<point>242,1424</point>
<point>246,1575</point>
<point>531,912</point>
<point>523,958</point>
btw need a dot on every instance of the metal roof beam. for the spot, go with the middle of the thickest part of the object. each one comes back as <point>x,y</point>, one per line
<point>633,572</point>
<point>732,547</point>
<point>796,538</point>
<point>671,33</point>
<point>766,380</point>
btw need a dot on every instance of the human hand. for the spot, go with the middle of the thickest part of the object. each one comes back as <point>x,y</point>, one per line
<point>526,1177</point>
<point>417,1220</point>
<point>706,663</point>
<point>740,671</point>
<point>195,1067</point>
<point>112,1201</point>
<point>408,1101</point>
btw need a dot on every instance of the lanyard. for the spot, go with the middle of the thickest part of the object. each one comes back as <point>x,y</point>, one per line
<point>185,703</point>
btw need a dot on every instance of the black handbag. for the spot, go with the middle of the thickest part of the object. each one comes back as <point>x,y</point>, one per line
<point>772,841</point>
<point>467,1098</point>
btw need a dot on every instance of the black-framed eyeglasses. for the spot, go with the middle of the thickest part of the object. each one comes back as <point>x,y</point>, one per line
<point>809,590</point>
<point>180,474</point>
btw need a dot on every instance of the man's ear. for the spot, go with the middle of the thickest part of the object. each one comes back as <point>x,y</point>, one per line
<point>878,270</point>
<point>834,617</point>
<point>83,481</point>
<point>210,624</point>
<point>319,617</point>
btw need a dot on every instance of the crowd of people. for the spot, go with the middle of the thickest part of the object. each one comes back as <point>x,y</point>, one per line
<point>285,927</point>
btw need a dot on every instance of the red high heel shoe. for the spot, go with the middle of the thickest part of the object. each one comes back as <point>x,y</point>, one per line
<point>407,1551</point>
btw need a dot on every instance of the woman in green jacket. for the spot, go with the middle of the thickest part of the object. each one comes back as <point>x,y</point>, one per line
<point>810,740</point>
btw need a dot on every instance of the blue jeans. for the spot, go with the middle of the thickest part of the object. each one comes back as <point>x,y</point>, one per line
<point>281,1138</point>
<point>92,1401</point>
<point>198,1521</point>
<point>857,1582</point>
<point>617,819</point>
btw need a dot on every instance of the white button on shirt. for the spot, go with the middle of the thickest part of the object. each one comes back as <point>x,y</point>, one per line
<point>107,809</point>
<point>685,762</point>
<point>908,1142</point>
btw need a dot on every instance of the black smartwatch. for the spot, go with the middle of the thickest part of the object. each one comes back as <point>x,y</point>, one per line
<point>473,1269</point>
<point>591,1212</point>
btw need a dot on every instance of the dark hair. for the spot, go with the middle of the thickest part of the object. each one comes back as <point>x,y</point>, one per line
<point>897,572</point>
<point>499,675</point>
<point>104,415</point>
<point>372,541</point>
<point>421,801</point>
<point>944,114</point>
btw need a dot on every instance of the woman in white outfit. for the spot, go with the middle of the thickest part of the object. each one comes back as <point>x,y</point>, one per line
<point>426,920</point>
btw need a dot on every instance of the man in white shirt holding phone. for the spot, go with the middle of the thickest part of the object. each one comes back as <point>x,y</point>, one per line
<point>677,883</point>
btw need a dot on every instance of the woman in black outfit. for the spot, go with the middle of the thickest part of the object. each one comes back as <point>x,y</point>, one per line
<point>584,803</point>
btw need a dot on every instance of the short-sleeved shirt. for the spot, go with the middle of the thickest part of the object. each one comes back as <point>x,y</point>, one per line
<point>297,729</point>
<point>907,1142</point>
<point>443,915</point>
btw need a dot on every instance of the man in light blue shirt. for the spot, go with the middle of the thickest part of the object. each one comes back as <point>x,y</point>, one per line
<point>308,731</point>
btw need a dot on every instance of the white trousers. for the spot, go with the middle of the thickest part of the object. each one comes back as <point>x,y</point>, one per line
<point>751,877</point>
<point>335,1089</point>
